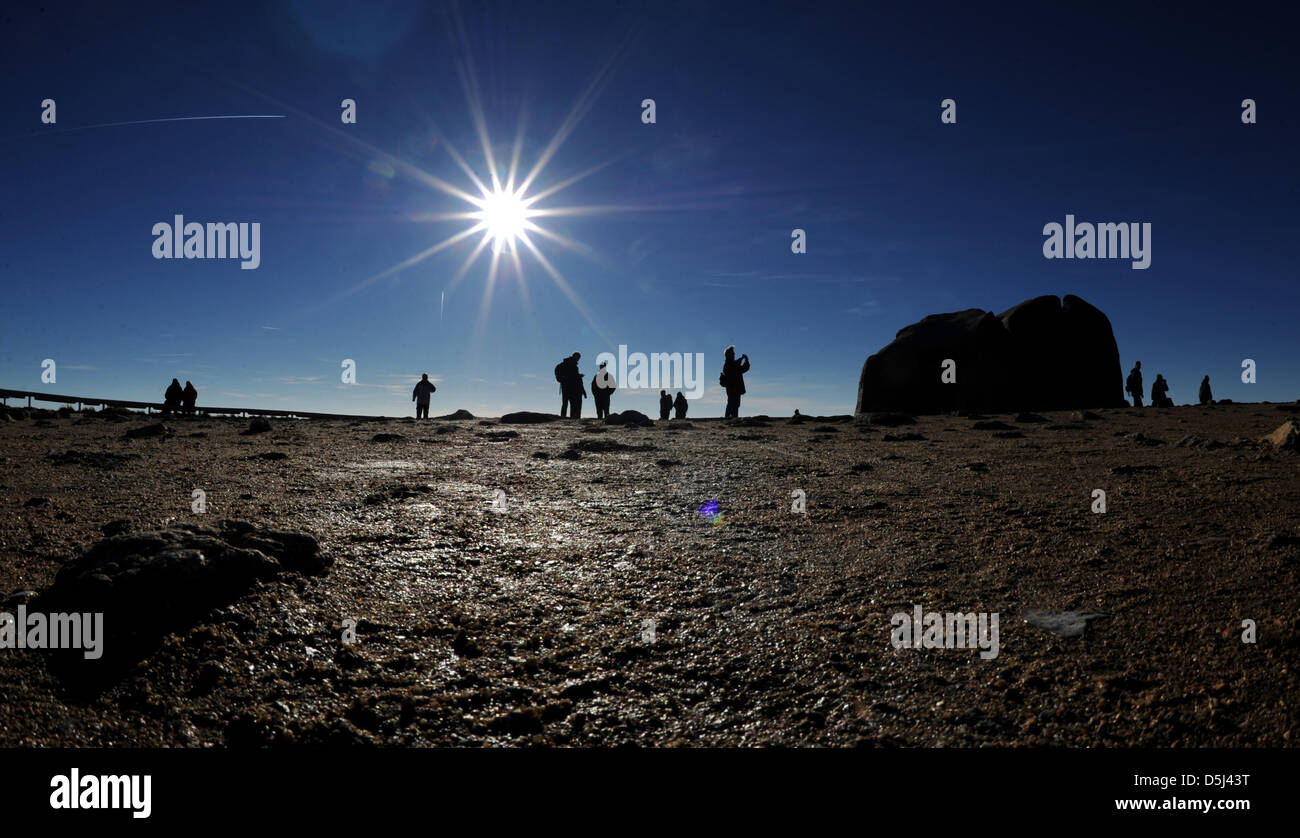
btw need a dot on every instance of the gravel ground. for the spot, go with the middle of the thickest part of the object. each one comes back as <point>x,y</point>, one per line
<point>559,585</point>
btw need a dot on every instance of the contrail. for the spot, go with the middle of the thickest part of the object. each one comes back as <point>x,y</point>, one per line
<point>149,121</point>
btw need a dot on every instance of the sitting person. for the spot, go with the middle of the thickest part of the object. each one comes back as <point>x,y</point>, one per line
<point>172,398</point>
<point>1160,393</point>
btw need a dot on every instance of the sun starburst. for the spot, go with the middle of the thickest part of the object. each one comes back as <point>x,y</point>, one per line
<point>504,214</point>
<point>503,205</point>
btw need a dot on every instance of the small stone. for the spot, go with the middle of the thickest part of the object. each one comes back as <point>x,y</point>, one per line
<point>1287,436</point>
<point>1063,623</point>
<point>156,429</point>
<point>892,419</point>
<point>464,645</point>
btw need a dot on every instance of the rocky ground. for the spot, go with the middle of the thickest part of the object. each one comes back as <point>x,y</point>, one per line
<point>557,584</point>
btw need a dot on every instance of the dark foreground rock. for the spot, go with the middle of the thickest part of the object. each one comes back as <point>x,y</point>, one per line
<point>1043,354</point>
<point>150,584</point>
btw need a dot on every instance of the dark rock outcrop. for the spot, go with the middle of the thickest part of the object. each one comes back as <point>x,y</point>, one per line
<point>527,417</point>
<point>1043,354</point>
<point>629,417</point>
<point>150,584</point>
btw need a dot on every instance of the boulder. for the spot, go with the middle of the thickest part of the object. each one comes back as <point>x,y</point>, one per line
<point>1043,354</point>
<point>527,417</point>
<point>460,414</point>
<point>628,417</point>
<point>150,584</point>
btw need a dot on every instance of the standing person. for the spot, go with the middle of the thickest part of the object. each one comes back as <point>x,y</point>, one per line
<point>680,404</point>
<point>420,395</point>
<point>665,405</point>
<point>1206,397</point>
<point>566,373</point>
<point>172,398</point>
<point>189,396</point>
<point>602,387</point>
<point>571,388</point>
<point>1134,384</point>
<point>733,379</point>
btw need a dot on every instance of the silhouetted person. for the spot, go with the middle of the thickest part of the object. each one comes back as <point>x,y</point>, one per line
<point>1206,396</point>
<point>189,396</point>
<point>1159,392</point>
<point>420,395</point>
<point>572,391</point>
<point>1134,384</point>
<point>172,398</point>
<point>680,404</point>
<point>566,373</point>
<point>665,405</point>
<point>733,380</point>
<point>602,387</point>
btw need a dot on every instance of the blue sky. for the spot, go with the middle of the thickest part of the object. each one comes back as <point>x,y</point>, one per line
<point>823,117</point>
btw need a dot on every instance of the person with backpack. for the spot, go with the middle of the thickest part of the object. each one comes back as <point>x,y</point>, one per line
<point>732,380</point>
<point>665,405</point>
<point>572,391</point>
<point>1133,386</point>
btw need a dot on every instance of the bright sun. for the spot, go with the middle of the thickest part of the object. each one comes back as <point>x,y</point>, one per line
<point>504,215</point>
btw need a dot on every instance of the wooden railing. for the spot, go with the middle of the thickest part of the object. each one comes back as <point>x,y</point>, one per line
<point>150,407</point>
